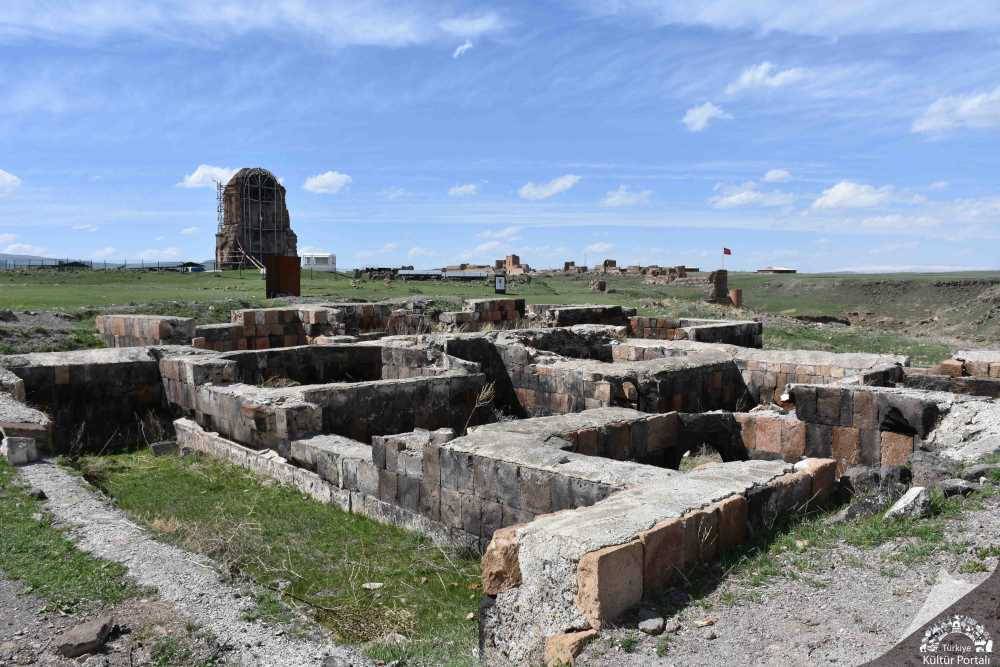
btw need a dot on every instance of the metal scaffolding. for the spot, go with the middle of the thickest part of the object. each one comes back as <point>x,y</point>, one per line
<point>262,228</point>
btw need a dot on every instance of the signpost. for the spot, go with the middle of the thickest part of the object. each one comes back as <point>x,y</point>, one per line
<point>500,285</point>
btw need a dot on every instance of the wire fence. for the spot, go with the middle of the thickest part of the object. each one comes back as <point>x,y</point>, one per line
<point>81,265</point>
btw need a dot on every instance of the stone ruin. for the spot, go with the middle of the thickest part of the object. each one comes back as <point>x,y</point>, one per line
<point>253,221</point>
<point>553,447</point>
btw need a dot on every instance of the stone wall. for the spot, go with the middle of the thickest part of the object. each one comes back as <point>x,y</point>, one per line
<point>95,399</point>
<point>140,330</point>
<point>745,333</point>
<point>17,420</point>
<point>575,571</point>
<point>873,426</point>
<point>974,386</point>
<point>479,313</point>
<point>567,315</point>
<point>768,372</point>
<point>979,363</point>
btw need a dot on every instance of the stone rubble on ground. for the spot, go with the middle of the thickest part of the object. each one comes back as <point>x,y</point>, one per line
<point>915,503</point>
<point>87,637</point>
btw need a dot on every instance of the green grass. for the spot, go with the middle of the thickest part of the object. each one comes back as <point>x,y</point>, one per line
<point>46,560</point>
<point>852,339</point>
<point>629,644</point>
<point>315,553</point>
<point>208,297</point>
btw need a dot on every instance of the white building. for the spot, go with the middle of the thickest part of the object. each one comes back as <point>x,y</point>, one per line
<point>319,261</point>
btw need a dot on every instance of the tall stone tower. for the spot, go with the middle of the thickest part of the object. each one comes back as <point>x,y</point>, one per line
<point>253,221</point>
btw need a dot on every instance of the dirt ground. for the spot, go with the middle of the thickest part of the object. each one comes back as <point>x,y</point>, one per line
<point>146,632</point>
<point>853,612</point>
<point>38,331</point>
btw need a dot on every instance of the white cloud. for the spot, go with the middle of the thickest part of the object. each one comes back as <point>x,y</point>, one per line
<point>536,191</point>
<point>910,268</point>
<point>473,26</point>
<point>392,194</point>
<point>848,194</point>
<point>189,231</point>
<point>465,190</point>
<point>461,49</point>
<point>384,250</point>
<point>600,246</point>
<point>697,118</point>
<point>390,24</point>
<point>938,185</point>
<point>778,176</point>
<point>810,17</point>
<point>8,238</point>
<point>747,194</point>
<point>8,183</point>
<point>900,222</point>
<point>482,248</point>
<point>169,253</point>
<point>961,111</point>
<point>327,183</point>
<point>205,176</point>
<point>418,251</point>
<point>512,233</point>
<point>25,249</point>
<point>764,75</point>
<point>85,228</point>
<point>103,253</point>
<point>625,197</point>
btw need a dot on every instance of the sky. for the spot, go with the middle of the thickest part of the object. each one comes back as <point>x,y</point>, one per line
<point>853,136</point>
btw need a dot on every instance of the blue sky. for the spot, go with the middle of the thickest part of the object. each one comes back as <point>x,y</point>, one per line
<point>849,136</point>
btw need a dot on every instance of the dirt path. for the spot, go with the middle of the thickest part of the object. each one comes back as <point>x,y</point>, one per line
<point>854,611</point>
<point>186,580</point>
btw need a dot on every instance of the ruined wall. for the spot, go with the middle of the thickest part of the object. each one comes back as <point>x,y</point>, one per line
<point>216,391</point>
<point>479,313</point>
<point>864,425</point>
<point>743,333</point>
<point>979,363</point>
<point>568,315</point>
<point>139,330</point>
<point>768,372</point>
<point>557,580</point>
<point>94,398</point>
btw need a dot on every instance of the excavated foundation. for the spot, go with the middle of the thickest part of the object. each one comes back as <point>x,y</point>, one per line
<point>553,450</point>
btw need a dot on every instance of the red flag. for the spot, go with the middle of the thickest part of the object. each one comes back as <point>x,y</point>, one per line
<point>727,251</point>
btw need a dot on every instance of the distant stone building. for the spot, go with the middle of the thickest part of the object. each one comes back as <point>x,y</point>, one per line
<point>253,220</point>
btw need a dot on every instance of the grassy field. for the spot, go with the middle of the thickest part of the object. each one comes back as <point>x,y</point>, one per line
<point>37,553</point>
<point>925,316</point>
<point>363,580</point>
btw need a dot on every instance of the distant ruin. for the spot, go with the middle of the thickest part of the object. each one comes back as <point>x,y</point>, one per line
<point>253,221</point>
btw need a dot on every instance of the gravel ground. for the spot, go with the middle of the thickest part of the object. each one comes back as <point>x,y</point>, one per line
<point>29,632</point>
<point>33,331</point>
<point>858,608</point>
<point>188,581</point>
